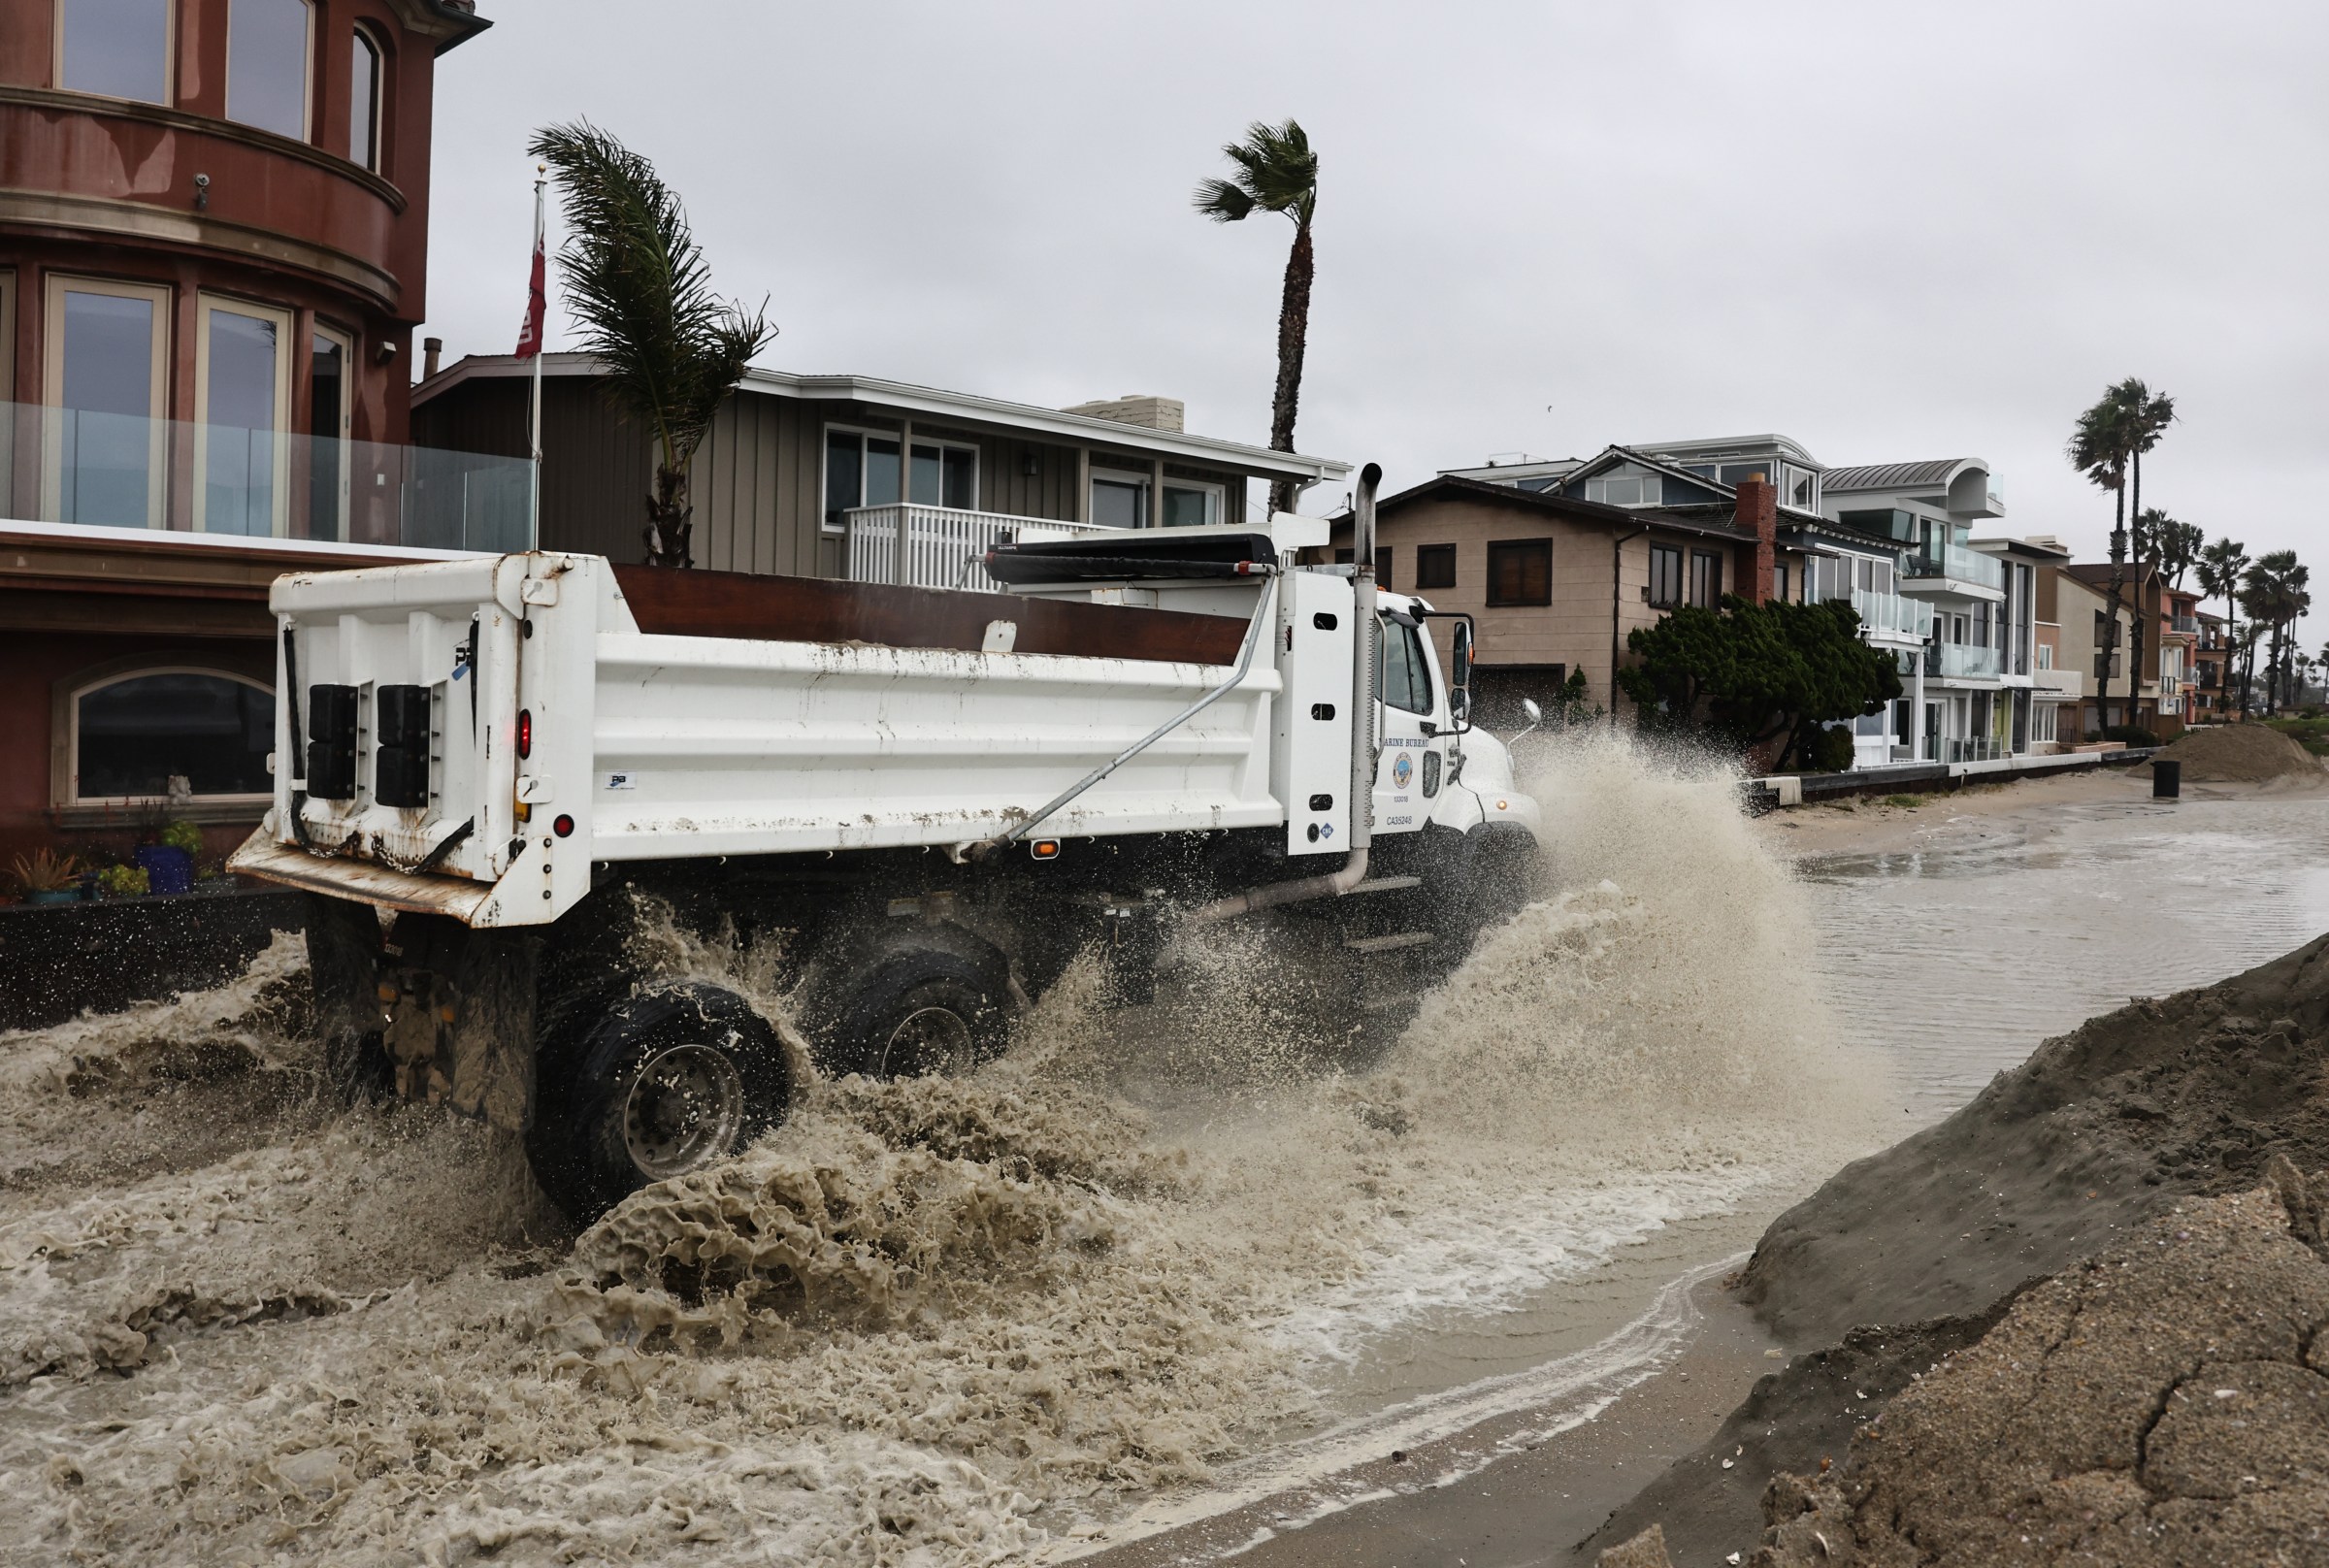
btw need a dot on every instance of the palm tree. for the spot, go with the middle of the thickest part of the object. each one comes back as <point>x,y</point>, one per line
<point>635,283</point>
<point>2102,445</point>
<point>2175,545</point>
<point>2274,592</point>
<point>2148,415</point>
<point>1276,173</point>
<point>2220,566</point>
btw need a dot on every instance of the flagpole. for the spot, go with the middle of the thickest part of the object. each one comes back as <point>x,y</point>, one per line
<point>534,506</point>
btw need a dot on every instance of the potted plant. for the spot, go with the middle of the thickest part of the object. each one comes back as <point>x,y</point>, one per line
<point>47,877</point>
<point>123,882</point>
<point>168,859</point>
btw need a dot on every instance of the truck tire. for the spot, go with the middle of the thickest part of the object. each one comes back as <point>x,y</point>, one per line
<point>664,1083</point>
<point>920,1011</point>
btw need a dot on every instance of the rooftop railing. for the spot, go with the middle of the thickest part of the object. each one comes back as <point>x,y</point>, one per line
<point>940,546</point>
<point>89,467</point>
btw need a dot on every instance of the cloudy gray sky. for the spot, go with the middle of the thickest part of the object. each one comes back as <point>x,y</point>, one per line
<point>1887,231</point>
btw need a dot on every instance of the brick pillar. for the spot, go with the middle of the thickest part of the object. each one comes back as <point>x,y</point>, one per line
<point>1758,511</point>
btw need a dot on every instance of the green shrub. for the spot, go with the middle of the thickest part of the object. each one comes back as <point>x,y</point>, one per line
<point>125,881</point>
<point>1830,752</point>
<point>1907,802</point>
<point>183,835</point>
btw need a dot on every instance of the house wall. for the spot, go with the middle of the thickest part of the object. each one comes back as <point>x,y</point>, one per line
<point>758,479</point>
<point>1520,648</point>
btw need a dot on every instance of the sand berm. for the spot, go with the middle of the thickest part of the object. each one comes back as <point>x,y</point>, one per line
<point>2083,1320</point>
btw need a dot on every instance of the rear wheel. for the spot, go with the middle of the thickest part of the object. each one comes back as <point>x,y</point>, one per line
<point>665,1083</point>
<point>921,1012</point>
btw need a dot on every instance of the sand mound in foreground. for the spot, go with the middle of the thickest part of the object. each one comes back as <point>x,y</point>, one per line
<point>2167,1403</point>
<point>2241,753</point>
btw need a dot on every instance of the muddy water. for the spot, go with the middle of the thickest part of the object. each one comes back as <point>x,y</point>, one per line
<point>1955,957</point>
<point>927,1323</point>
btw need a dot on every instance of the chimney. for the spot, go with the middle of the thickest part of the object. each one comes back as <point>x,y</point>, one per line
<point>1134,409</point>
<point>1758,512</point>
<point>432,350</point>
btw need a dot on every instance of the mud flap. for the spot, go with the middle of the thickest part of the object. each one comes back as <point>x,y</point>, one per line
<point>461,1024</point>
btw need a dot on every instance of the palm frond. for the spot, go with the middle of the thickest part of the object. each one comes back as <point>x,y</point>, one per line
<point>1275,172</point>
<point>1221,200</point>
<point>640,293</point>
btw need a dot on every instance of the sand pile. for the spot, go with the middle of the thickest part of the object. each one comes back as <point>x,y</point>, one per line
<point>2242,754</point>
<point>2167,1403</point>
<point>2149,1115</point>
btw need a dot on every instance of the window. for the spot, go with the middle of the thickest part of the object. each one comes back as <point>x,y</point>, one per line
<point>861,468</point>
<point>2042,722</point>
<point>1191,504</point>
<point>2046,656</point>
<point>241,389</point>
<point>1402,678</point>
<point>1119,501</point>
<point>329,354</point>
<point>1520,572</point>
<point>133,734</point>
<point>1802,490</point>
<point>117,48</point>
<point>1666,576</point>
<point>363,103</point>
<point>267,65</point>
<point>1706,580</point>
<point>103,447</point>
<point>1625,490</point>
<point>1434,566</point>
<point>1779,582</point>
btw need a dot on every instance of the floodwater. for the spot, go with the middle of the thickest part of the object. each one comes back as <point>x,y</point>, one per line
<point>1956,957</point>
<point>1076,1298</point>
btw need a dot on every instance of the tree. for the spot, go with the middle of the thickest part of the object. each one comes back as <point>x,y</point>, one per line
<point>2101,447</point>
<point>1746,675</point>
<point>2220,566</point>
<point>2175,545</point>
<point>2148,417</point>
<point>1276,173</point>
<point>636,285</point>
<point>2274,592</point>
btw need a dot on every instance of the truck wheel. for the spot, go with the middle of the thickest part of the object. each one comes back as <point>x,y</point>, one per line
<point>663,1084</point>
<point>927,1011</point>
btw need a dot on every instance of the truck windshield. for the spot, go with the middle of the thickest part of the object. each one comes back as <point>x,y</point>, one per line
<point>1401,676</point>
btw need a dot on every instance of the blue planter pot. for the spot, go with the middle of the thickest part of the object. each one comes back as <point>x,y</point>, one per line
<point>168,870</point>
<point>54,895</point>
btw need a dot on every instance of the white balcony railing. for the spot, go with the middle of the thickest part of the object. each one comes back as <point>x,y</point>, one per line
<point>2067,685</point>
<point>1957,563</point>
<point>1894,614</point>
<point>942,547</point>
<point>1955,661</point>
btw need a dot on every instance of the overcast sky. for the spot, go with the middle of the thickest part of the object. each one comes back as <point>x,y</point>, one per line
<point>1886,232</point>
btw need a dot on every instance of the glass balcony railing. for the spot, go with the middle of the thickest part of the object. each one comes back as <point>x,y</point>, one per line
<point>97,469</point>
<point>2187,624</point>
<point>1961,662</point>
<point>1893,613</point>
<point>1959,564</point>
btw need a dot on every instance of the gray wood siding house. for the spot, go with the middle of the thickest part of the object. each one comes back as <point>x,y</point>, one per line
<point>767,481</point>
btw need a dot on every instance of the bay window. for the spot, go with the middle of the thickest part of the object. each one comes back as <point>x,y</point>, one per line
<point>117,48</point>
<point>242,388</point>
<point>363,103</point>
<point>267,74</point>
<point>104,442</point>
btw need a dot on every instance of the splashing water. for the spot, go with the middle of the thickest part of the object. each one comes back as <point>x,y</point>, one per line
<point>929,1322</point>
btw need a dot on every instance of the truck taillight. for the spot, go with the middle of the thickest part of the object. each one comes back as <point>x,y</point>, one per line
<point>525,732</point>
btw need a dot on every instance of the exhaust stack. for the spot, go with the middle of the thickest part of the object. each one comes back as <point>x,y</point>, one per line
<point>1362,658</point>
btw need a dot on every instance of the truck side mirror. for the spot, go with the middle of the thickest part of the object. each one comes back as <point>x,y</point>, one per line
<point>1459,674</point>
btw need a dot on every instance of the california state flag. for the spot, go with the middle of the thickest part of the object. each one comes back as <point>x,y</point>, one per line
<point>529,336</point>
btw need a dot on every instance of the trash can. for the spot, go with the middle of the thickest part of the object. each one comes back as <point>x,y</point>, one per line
<point>2167,778</point>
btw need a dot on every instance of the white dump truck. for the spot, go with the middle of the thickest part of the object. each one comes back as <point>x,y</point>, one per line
<point>930,801</point>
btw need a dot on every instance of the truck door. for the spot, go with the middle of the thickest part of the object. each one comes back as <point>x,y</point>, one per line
<point>1412,768</point>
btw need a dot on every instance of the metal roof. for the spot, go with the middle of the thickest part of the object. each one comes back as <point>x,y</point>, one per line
<point>1895,475</point>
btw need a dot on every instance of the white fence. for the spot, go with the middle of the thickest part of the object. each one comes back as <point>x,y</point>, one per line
<point>942,547</point>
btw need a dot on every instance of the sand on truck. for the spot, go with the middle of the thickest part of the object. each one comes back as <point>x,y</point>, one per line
<point>2240,754</point>
<point>1904,1259</point>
